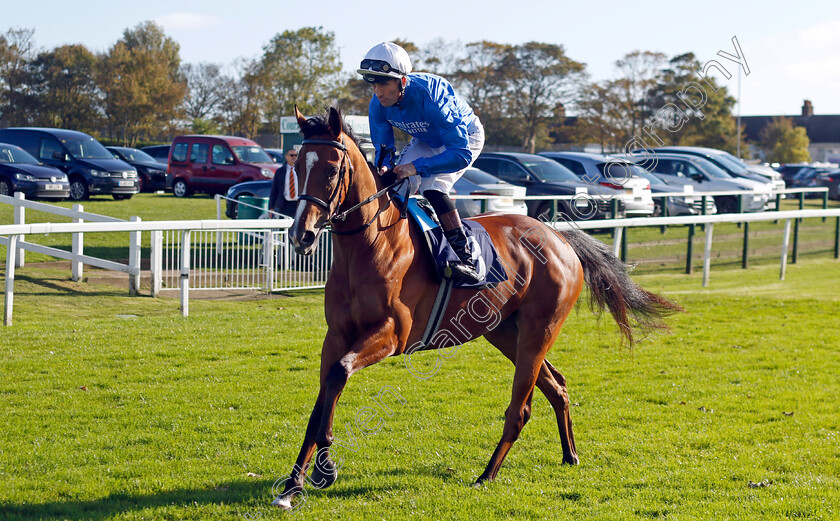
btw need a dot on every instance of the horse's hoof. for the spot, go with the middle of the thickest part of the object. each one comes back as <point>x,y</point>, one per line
<point>323,478</point>
<point>479,484</point>
<point>282,502</point>
<point>574,460</point>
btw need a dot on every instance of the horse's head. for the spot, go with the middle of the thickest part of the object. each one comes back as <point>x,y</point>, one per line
<point>325,168</point>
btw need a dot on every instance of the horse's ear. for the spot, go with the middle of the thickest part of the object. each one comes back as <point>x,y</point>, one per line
<point>335,122</point>
<point>301,119</point>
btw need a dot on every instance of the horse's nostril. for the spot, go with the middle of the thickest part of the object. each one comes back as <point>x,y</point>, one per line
<point>307,238</point>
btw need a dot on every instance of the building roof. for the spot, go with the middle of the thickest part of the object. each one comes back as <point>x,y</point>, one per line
<point>820,129</point>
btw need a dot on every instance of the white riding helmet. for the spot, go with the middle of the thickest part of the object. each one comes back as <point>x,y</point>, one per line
<point>385,60</point>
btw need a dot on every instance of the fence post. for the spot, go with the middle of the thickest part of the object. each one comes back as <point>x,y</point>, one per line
<point>77,267</point>
<point>10,280</point>
<point>825,202</point>
<point>707,254</point>
<point>785,243</point>
<point>185,273</point>
<point>837,239</point>
<point>795,256</point>
<point>745,257</point>
<point>134,259</point>
<point>268,258</point>
<point>20,218</point>
<point>624,245</point>
<point>617,233</point>
<point>156,262</point>
<point>689,254</point>
<point>218,218</point>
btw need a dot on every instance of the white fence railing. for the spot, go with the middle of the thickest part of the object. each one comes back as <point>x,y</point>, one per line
<point>254,253</point>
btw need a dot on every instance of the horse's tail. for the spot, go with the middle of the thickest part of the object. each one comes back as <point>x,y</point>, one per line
<point>610,286</point>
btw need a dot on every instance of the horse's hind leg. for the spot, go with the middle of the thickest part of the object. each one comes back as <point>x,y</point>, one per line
<point>550,382</point>
<point>531,347</point>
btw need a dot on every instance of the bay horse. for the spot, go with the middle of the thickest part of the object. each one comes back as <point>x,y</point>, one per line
<point>381,290</point>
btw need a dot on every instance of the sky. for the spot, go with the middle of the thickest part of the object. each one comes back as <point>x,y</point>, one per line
<point>792,49</point>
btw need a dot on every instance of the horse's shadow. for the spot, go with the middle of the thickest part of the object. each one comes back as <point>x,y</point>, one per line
<point>240,496</point>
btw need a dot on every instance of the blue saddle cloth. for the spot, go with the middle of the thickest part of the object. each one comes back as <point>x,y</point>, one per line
<point>485,256</point>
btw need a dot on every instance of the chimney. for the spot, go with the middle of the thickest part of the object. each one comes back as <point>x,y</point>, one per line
<point>807,109</point>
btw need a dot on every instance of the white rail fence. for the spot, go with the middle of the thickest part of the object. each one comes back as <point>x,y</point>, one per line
<point>255,253</point>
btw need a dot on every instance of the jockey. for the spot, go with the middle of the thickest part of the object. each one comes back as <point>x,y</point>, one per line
<point>446,137</point>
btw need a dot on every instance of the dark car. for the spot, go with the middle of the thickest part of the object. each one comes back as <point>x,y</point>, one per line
<point>831,180</point>
<point>709,178</point>
<point>91,168</point>
<point>682,205</point>
<point>151,174</point>
<point>20,172</point>
<point>543,176</point>
<point>276,154</point>
<point>159,153</point>
<point>723,160</point>
<point>260,188</point>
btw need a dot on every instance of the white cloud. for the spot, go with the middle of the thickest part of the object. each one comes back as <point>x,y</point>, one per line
<point>182,21</point>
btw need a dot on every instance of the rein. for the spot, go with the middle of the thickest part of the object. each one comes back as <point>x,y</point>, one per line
<point>342,216</point>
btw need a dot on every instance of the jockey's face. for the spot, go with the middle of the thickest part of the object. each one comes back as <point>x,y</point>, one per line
<point>388,92</point>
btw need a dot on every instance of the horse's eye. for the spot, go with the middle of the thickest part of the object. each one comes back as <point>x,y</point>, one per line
<point>333,171</point>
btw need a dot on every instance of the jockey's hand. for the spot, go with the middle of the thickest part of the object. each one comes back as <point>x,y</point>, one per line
<point>406,170</point>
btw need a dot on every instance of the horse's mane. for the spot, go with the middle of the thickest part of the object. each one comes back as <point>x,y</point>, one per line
<point>316,125</point>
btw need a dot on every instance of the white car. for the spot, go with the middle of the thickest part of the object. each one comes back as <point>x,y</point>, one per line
<point>507,198</point>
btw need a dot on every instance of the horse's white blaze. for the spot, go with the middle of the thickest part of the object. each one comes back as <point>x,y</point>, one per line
<point>311,159</point>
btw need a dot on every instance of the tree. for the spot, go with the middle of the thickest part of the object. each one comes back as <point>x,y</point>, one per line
<point>142,84</point>
<point>243,105</point>
<point>204,90</point>
<point>17,50</point>
<point>783,142</point>
<point>64,86</point>
<point>689,110</point>
<point>540,76</point>
<point>300,68</point>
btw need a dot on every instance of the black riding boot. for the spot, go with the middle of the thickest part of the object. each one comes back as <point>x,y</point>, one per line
<point>463,271</point>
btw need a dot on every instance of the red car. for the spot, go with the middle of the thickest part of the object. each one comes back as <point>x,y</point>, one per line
<point>212,164</point>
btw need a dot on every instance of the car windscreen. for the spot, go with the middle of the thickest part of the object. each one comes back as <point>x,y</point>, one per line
<point>87,149</point>
<point>251,154</point>
<point>712,169</point>
<point>132,154</point>
<point>480,177</point>
<point>731,164</point>
<point>16,155</point>
<point>619,170</point>
<point>550,170</point>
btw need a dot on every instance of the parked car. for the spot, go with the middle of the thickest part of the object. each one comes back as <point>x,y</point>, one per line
<point>726,162</point>
<point>831,180</point>
<point>543,176</point>
<point>683,205</point>
<point>91,168</point>
<point>159,153</point>
<point>151,174</point>
<point>709,178</point>
<point>595,169</point>
<point>473,182</point>
<point>20,172</point>
<point>478,182</point>
<point>276,154</point>
<point>212,164</point>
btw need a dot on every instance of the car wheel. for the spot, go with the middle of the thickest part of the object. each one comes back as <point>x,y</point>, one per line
<point>5,188</point>
<point>657,207</point>
<point>544,212</point>
<point>726,204</point>
<point>79,189</point>
<point>142,183</point>
<point>122,197</point>
<point>180,188</point>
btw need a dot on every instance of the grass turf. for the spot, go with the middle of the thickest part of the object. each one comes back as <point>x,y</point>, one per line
<point>118,408</point>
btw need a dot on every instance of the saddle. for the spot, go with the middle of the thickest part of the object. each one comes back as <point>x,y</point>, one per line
<point>485,256</point>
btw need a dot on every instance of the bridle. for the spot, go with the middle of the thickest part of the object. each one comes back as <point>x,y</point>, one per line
<point>336,216</point>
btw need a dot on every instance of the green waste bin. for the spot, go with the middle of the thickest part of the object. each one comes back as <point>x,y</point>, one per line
<point>247,210</point>
<point>251,208</point>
